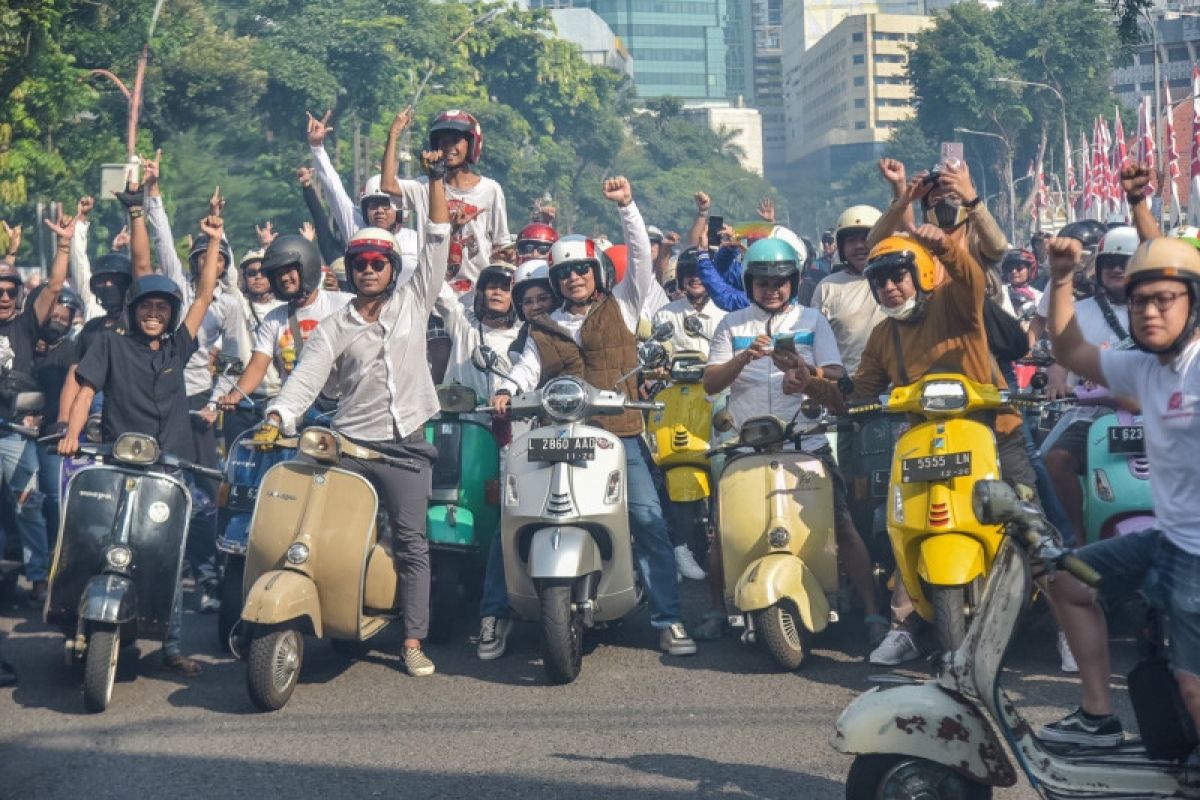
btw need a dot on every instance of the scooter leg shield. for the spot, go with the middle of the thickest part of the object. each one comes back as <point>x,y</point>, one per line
<point>563,552</point>
<point>950,559</point>
<point>782,576</point>
<point>109,598</point>
<point>281,596</point>
<point>687,484</point>
<point>924,721</point>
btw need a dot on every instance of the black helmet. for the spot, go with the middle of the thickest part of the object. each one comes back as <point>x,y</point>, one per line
<point>687,263</point>
<point>70,298</point>
<point>118,268</point>
<point>1089,232</point>
<point>200,247</point>
<point>155,285</point>
<point>293,250</point>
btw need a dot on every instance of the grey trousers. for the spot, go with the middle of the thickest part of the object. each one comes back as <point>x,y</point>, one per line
<point>405,495</point>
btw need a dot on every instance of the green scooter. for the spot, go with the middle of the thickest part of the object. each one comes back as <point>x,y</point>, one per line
<point>464,509</point>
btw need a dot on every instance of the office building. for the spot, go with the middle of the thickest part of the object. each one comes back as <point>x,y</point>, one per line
<point>768,82</point>
<point>600,46</point>
<point>1177,30</point>
<point>745,123</point>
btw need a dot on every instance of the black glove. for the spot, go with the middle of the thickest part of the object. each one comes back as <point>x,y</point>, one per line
<point>436,170</point>
<point>132,197</point>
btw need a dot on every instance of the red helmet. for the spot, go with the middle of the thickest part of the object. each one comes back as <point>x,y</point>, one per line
<point>461,121</point>
<point>619,255</point>
<point>535,241</point>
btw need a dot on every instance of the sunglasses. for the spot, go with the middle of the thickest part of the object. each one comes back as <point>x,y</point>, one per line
<point>531,248</point>
<point>880,277</point>
<point>563,271</point>
<point>252,273</point>
<point>373,262</point>
<point>9,291</point>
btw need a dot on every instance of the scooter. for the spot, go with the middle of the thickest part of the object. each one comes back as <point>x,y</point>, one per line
<point>12,563</point>
<point>316,564</point>
<point>116,568</point>
<point>957,735</point>
<point>464,509</point>
<point>564,523</point>
<point>1116,497</point>
<point>869,441</point>
<point>775,530</point>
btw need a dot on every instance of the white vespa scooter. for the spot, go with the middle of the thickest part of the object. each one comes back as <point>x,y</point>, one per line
<point>564,523</point>
<point>956,735</point>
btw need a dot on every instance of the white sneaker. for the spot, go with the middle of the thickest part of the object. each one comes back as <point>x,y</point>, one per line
<point>896,648</point>
<point>685,562</point>
<point>493,637</point>
<point>1066,657</point>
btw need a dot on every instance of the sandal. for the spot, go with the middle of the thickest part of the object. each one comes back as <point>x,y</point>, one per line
<point>181,665</point>
<point>877,629</point>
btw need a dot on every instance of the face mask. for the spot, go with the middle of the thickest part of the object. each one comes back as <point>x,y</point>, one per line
<point>110,298</point>
<point>946,215</point>
<point>54,331</point>
<point>903,311</point>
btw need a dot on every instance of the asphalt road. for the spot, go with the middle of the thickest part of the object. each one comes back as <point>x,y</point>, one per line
<point>723,723</point>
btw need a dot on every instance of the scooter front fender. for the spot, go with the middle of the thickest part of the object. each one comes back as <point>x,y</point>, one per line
<point>782,576</point>
<point>109,598</point>
<point>950,559</point>
<point>563,552</point>
<point>687,484</point>
<point>281,596</point>
<point>924,721</point>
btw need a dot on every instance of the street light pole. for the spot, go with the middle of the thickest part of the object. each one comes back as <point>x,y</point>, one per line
<point>134,98</point>
<point>1066,138</point>
<point>1008,177</point>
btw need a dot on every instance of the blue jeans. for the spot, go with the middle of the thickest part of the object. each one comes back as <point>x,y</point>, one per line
<point>172,642</point>
<point>651,544</point>
<point>1055,513</point>
<point>19,468</point>
<point>494,600</point>
<point>50,481</point>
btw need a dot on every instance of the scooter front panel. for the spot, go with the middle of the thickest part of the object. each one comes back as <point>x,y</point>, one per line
<point>1116,486</point>
<point>680,432</point>
<point>244,471</point>
<point>466,477</point>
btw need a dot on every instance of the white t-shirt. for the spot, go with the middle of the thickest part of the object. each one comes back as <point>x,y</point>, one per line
<point>758,389</point>
<point>470,245</point>
<point>274,335</point>
<point>1170,399</point>
<point>1096,331</point>
<point>676,311</point>
<point>846,300</point>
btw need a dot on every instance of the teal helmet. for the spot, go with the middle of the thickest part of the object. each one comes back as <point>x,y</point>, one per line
<point>771,258</point>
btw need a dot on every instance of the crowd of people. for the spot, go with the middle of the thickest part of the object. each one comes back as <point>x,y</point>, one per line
<point>374,303</point>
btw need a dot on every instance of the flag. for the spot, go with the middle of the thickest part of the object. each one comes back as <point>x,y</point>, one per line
<point>1119,155</point>
<point>1085,173</point>
<point>1194,196</point>
<point>1145,139</point>
<point>1097,195</point>
<point>1170,187</point>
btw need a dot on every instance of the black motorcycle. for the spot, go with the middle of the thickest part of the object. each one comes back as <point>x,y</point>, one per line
<point>120,551</point>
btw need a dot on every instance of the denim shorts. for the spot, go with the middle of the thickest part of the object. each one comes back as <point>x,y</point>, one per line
<point>1125,562</point>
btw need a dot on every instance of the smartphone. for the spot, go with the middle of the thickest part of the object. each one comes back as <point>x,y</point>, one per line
<point>787,344</point>
<point>715,224</point>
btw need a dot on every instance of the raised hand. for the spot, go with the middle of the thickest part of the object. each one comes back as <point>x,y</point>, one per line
<point>212,225</point>
<point>618,190</point>
<point>85,206</point>
<point>307,231</point>
<point>318,129</point>
<point>305,176</point>
<point>121,240</point>
<point>266,234</point>
<point>932,238</point>
<point>1135,180</point>
<point>134,195</point>
<point>766,210</point>
<point>152,169</point>
<point>893,172</point>
<point>703,202</point>
<point>216,203</point>
<point>64,228</point>
<point>1066,256</point>
<point>434,164</point>
<point>956,176</point>
<point>13,235</point>
<point>402,120</point>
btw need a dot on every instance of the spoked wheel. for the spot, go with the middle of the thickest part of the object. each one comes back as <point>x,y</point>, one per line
<point>273,667</point>
<point>100,667</point>
<point>894,777</point>
<point>445,601</point>
<point>562,633</point>
<point>231,599</point>
<point>782,634</point>
<point>949,614</point>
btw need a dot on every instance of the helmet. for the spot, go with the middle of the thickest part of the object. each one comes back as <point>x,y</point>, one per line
<point>786,235</point>
<point>772,258</point>
<point>687,263</point>
<point>899,250</point>
<point>534,241</point>
<point>535,272</point>
<point>251,256</point>
<point>1019,258</point>
<point>1089,232</point>
<point>492,273</point>
<point>155,285</point>
<point>581,250</point>
<point>115,264</point>
<point>10,273</point>
<point>655,234</point>
<point>619,255</point>
<point>461,121</point>
<point>373,240</point>
<point>293,250</point>
<point>854,218</point>
<point>372,191</point>
<point>1117,246</point>
<point>1174,259</point>
<point>200,247</point>
<point>70,298</point>
<point>810,255</point>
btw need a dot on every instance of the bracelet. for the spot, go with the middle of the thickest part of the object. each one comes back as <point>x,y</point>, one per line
<point>136,213</point>
<point>972,203</point>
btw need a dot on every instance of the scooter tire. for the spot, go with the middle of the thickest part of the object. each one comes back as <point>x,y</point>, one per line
<point>870,775</point>
<point>445,601</point>
<point>231,599</point>
<point>562,633</point>
<point>273,666</point>
<point>100,667</point>
<point>782,634</point>
<point>949,615</point>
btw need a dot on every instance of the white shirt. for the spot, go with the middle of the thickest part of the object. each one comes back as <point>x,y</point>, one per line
<point>466,333</point>
<point>632,296</point>
<point>1096,331</point>
<point>846,300</point>
<point>274,335</point>
<point>377,369</point>
<point>81,271</point>
<point>758,389</point>
<point>677,311</point>
<point>252,314</point>
<point>1170,398</point>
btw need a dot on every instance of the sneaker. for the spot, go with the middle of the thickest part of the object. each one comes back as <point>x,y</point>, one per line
<point>676,642</point>
<point>685,562</point>
<point>210,598</point>
<point>493,637</point>
<point>1085,730</point>
<point>1065,656</point>
<point>896,648</point>
<point>416,663</point>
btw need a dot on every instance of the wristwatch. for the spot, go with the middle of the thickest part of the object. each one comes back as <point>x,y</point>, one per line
<point>973,203</point>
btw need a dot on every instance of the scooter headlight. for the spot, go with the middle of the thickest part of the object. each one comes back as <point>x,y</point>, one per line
<point>779,537</point>
<point>118,556</point>
<point>135,448</point>
<point>943,396</point>
<point>321,445</point>
<point>564,399</point>
<point>297,554</point>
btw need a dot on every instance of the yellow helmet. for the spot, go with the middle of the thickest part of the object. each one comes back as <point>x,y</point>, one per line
<point>901,250</point>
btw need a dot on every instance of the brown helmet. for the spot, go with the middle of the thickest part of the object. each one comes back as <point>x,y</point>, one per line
<point>1167,258</point>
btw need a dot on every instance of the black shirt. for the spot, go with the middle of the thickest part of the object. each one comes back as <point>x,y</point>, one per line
<point>143,389</point>
<point>91,331</point>
<point>22,331</point>
<point>50,370</point>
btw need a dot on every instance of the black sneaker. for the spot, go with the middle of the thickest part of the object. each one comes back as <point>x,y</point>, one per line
<point>1084,730</point>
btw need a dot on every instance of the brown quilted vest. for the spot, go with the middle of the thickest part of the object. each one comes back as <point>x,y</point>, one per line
<point>609,350</point>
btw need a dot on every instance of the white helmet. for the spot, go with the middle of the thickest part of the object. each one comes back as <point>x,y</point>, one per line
<point>854,218</point>
<point>581,250</point>
<point>787,235</point>
<point>373,191</point>
<point>1118,245</point>
<point>533,272</point>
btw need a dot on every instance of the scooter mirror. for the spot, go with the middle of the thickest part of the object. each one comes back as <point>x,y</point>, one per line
<point>694,327</point>
<point>484,358</point>
<point>995,502</point>
<point>722,421</point>
<point>228,365</point>
<point>652,354</point>
<point>662,331</point>
<point>93,431</point>
<point>811,408</point>
<point>29,402</point>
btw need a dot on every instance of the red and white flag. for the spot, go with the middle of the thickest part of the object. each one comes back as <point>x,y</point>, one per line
<point>1119,154</point>
<point>1097,195</point>
<point>1194,173</point>
<point>1085,172</point>
<point>1145,139</point>
<point>1170,188</point>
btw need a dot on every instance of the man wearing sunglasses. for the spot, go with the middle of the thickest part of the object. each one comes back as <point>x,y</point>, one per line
<point>593,337</point>
<point>372,354</point>
<point>535,241</point>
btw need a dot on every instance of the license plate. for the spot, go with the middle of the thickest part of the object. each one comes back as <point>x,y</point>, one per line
<point>566,448</point>
<point>879,483</point>
<point>935,468</point>
<point>1127,440</point>
<point>241,499</point>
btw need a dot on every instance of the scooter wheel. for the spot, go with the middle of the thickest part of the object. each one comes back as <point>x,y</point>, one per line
<point>562,633</point>
<point>100,668</point>
<point>949,615</point>
<point>782,634</point>
<point>273,667</point>
<point>887,775</point>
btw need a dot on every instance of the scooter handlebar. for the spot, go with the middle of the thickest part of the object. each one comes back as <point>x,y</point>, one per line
<point>640,406</point>
<point>24,430</point>
<point>1077,567</point>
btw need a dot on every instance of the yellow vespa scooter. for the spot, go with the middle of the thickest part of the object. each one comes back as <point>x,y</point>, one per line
<point>679,437</point>
<point>316,564</point>
<point>775,532</point>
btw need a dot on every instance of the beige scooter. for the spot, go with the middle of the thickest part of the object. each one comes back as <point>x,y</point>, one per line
<point>316,564</point>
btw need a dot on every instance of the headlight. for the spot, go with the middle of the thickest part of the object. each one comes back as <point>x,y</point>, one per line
<point>297,553</point>
<point>321,445</point>
<point>564,399</point>
<point>761,431</point>
<point>118,556</point>
<point>456,399</point>
<point>135,448</point>
<point>778,537</point>
<point>943,396</point>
